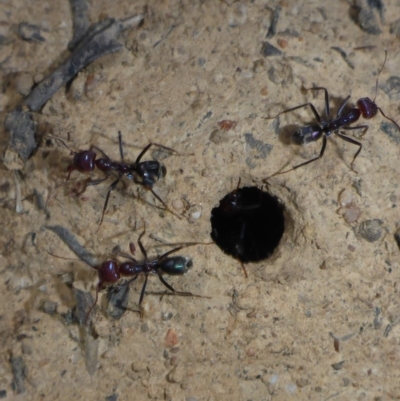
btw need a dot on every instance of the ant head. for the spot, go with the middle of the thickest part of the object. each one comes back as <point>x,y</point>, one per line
<point>367,107</point>
<point>150,172</point>
<point>108,272</point>
<point>83,161</point>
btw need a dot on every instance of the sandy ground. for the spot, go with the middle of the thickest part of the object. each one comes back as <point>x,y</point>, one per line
<point>319,320</point>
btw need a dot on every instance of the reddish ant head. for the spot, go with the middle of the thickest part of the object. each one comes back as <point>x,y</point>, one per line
<point>367,107</point>
<point>108,272</point>
<point>83,161</point>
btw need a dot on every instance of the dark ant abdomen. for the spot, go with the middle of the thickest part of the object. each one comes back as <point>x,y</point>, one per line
<point>307,134</point>
<point>175,266</point>
<point>368,108</point>
<point>150,172</point>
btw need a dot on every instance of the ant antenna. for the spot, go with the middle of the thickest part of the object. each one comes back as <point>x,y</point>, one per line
<point>376,85</point>
<point>60,140</point>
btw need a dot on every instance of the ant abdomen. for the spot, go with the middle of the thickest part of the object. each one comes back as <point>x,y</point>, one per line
<point>367,107</point>
<point>175,265</point>
<point>150,172</point>
<point>307,134</point>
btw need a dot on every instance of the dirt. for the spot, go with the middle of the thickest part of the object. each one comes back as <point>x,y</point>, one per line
<point>316,321</point>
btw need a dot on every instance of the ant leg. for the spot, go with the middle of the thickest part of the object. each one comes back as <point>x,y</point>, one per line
<point>121,152</point>
<point>142,153</point>
<point>321,153</point>
<point>166,284</point>
<point>97,149</point>
<point>354,142</point>
<point>339,113</point>
<point>363,127</point>
<point>110,188</point>
<point>164,204</point>
<point>313,109</point>
<point>379,73</point>
<point>164,255</point>
<point>324,141</point>
<point>165,148</point>
<point>143,289</point>
<point>148,147</point>
<point>244,270</point>
<point>142,249</point>
<point>98,288</point>
<point>318,88</point>
<point>388,118</point>
<point>96,182</point>
<point>180,293</point>
<point>128,282</point>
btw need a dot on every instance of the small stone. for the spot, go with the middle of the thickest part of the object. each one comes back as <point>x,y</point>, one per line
<point>165,316</point>
<point>24,83</point>
<point>337,366</point>
<point>352,214</point>
<point>77,88</point>
<point>370,230</point>
<point>38,78</point>
<point>282,43</point>
<point>268,50</point>
<point>196,215</point>
<point>177,204</point>
<point>171,339</point>
<point>50,307</point>
<point>29,32</point>
<point>218,136</point>
<point>302,383</point>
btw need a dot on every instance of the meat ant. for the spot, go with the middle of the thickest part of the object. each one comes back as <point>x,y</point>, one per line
<point>110,271</point>
<point>365,107</point>
<point>145,173</point>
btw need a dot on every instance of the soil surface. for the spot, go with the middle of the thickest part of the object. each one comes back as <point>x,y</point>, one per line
<point>316,321</point>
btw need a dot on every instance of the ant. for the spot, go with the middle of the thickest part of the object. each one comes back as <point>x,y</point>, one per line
<point>310,133</point>
<point>145,173</point>
<point>110,271</point>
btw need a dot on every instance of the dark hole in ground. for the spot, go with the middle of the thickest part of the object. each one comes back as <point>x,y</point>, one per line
<point>248,224</point>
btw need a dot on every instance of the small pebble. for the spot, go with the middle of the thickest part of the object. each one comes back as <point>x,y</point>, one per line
<point>29,32</point>
<point>177,204</point>
<point>38,78</point>
<point>196,215</point>
<point>171,339</point>
<point>23,84</point>
<point>50,307</point>
<point>282,43</point>
<point>371,230</point>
